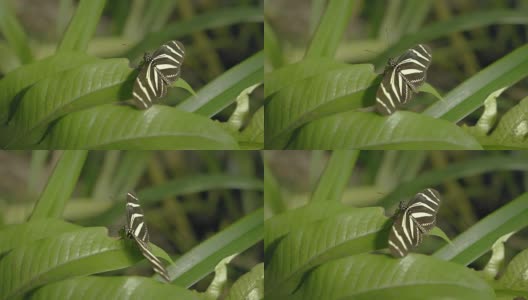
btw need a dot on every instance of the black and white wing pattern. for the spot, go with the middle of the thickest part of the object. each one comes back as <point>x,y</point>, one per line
<point>157,72</point>
<point>136,229</point>
<point>413,221</point>
<point>402,78</point>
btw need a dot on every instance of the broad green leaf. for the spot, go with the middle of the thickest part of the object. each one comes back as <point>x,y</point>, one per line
<point>402,130</point>
<point>346,88</point>
<point>357,231</point>
<point>82,252</point>
<point>60,185</point>
<point>201,260</point>
<point>86,86</point>
<point>249,286</point>
<point>17,235</point>
<point>13,32</point>
<point>515,275</point>
<point>113,287</point>
<point>25,76</point>
<point>82,26</point>
<point>291,74</point>
<point>414,277</point>
<point>458,170</point>
<point>221,92</point>
<point>122,127</point>
<point>280,225</point>
<point>478,239</point>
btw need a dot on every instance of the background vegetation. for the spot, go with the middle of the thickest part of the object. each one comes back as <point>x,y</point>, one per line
<point>323,60</point>
<point>61,213</point>
<point>65,64</point>
<point>328,217</point>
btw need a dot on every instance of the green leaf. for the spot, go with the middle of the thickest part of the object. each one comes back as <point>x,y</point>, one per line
<point>236,120</point>
<point>471,94</point>
<point>66,92</point>
<point>23,77</point>
<point>514,277</point>
<point>426,87</point>
<point>249,286</point>
<point>512,130</point>
<point>414,277</point>
<point>436,231</point>
<point>354,232</point>
<point>201,260</point>
<point>180,83</point>
<point>112,287</point>
<point>60,185</point>
<point>478,239</point>
<point>401,130</point>
<point>159,127</point>
<point>81,252</point>
<point>82,26</point>
<point>488,117</point>
<point>222,91</point>
<point>297,72</point>
<point>17,235</point>
<point>215,288</point>
<point>336,176</point>
<point>494,265</point>
<point>349,87</point>
<point>280,225</point>
<point>13,32</point>
<point>252,137</point>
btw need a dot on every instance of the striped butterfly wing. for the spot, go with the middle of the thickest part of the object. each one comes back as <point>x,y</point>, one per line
<point>413,221</point>
<point>136,228</point>
<point>135,220</point>
<point>402,78</point>
<point>392,92</point>
<point>167,61</point>
<point>413,65</point>
<point>423,209</point>
<point>157,72</point>
<point>153,259</point>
